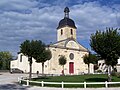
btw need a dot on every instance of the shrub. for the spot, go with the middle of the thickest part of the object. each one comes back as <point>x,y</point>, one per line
<point>99,71</point>
<point>96,67</point>
<point>113,73</point>
<point>118,74</point>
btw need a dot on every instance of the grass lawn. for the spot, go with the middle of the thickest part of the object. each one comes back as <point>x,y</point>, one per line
<point>78,78</point>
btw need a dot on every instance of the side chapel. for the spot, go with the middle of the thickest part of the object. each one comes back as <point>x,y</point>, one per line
<point>66,45</point>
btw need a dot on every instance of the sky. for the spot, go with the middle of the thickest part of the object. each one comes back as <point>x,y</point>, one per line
<point>38,20</point>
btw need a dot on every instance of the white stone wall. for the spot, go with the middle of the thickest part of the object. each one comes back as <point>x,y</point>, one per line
<point>102,66</point>
<point>24,65</point>
<point>91,68</point>
<point>118,65</point>
<point>52,66</point>
<point>118,68</point>
<point>119,61</point>
<point>13,64</point>
<point>79,65</point>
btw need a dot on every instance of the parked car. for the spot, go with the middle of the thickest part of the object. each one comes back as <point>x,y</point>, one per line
<point>16,70</point>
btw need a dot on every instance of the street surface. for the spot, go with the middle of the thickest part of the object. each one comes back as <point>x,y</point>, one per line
<point>10,82</point>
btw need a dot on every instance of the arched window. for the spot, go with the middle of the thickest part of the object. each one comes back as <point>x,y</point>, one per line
<point>61,32</point>
<point>71,31</point>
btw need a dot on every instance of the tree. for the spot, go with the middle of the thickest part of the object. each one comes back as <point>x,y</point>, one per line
<point>5,58</point>
<point>91,58</point>
<point>107,45</point>
<point>62,62</point>
<point>27,48</point>
<point>43,56</point>
<point>35,49</point>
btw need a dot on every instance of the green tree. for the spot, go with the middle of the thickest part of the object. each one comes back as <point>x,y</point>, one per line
<point>62,62</point>
<point>107,45</point>
<point>5,58</point>
<point>91,58</point>
<point>43,56</point>
<point>35,49</point>
<point>28,49</point>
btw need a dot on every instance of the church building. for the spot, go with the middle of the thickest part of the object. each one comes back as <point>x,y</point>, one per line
<point>66,45</point>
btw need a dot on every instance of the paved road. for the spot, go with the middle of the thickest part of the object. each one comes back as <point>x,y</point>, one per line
<point>9,82</point>
<point>7,78</point>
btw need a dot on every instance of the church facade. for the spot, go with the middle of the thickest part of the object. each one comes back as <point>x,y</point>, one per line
<point>66,45</point>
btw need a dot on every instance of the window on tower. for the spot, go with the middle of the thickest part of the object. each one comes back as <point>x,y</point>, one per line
<point>71,31</point>
<point>61,32</point>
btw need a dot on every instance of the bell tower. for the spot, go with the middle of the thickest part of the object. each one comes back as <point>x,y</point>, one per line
<point>66,28</point>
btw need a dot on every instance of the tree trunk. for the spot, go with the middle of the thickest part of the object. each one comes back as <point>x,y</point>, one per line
<point>88,68</point>
<point>30,63</point>
<point>42,68</point>
<point>109,73</point>
<point>63,69</point>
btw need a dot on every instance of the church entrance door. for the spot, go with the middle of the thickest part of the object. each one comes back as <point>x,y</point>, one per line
<point>71,67</point>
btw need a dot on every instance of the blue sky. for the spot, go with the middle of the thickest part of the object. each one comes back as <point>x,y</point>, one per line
<point>38,19</point>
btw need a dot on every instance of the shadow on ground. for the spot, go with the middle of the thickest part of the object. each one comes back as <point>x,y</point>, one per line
<point>96,79</point>
<point>12,87</point>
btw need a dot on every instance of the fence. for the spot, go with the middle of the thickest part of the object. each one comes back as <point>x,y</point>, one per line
<point>68,83</point>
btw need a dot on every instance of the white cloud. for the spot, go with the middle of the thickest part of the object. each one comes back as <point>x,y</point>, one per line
<point>90,17</point>
<point>41,23</point>
<point>17,4</point>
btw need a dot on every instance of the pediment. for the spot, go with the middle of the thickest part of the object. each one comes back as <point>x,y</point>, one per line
<point>69,44</point>
<point>72,44</point>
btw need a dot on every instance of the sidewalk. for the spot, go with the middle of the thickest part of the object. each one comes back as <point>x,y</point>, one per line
<point>49,88</point>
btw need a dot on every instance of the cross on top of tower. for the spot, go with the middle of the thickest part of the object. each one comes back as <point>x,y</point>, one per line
<point>66,10</point>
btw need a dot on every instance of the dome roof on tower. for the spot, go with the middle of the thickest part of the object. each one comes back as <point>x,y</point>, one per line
<point>66,21</point>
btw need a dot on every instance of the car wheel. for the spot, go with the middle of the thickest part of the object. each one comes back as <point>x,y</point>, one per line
<point>11,72</point>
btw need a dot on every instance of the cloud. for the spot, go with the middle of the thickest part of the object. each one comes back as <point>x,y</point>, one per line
<point>90,17</point>
<point>38,19</point>
<point>18,4</point>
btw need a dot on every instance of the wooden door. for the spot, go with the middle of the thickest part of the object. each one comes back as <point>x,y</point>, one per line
<point>71,67</point>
